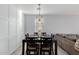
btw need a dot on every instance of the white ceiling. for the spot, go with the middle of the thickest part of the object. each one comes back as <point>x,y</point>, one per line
<point>51,9</point>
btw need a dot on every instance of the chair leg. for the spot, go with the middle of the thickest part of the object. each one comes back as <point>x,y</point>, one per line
<point>35,52</point>
<point>27,53</point>
<point>43,53</point>
<point>49,52</point>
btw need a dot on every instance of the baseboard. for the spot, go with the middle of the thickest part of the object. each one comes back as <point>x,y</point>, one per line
<point>15,50</point>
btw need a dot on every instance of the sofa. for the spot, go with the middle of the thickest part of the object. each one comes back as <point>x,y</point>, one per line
<point>67,42</point>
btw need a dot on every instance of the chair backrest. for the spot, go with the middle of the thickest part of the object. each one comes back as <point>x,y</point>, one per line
<point>52,36</point>
<point>26,35</point>
<point>44,33</point>
<point>35,33</point>
<point>47,40</point>
<point>31,39</point>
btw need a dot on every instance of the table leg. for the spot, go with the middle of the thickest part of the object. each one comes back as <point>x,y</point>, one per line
<point>23,47</point>
<point>39,49</point>
<point>55,47</point>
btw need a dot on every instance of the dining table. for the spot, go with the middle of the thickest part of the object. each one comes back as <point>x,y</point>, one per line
<point>39,40</point>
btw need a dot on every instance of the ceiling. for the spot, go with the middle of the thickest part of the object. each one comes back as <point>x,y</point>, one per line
<point>50,9</point>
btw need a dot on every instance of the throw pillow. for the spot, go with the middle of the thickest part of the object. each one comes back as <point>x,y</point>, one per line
<point>77,45</point>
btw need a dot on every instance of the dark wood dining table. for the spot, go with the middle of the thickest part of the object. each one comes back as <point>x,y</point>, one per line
<point>39,41</point>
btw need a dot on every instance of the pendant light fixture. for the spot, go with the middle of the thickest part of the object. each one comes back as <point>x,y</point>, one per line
<point>39,21</point>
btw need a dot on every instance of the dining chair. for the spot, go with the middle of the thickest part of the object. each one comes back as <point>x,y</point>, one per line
<point>46,46</point>
<point>44,33</point>
<point>32,47</point>
<point>35,33</point>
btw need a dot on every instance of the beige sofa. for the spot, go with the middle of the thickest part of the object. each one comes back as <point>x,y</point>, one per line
<point>67,42</point>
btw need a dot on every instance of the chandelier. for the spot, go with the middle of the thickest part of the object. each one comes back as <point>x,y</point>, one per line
<point>39,21</point>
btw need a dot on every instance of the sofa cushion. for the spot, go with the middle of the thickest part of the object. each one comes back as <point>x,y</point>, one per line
<point>77,35</point>
<point>71,36</point>
<point>77,45</point>
<point>61,34</point>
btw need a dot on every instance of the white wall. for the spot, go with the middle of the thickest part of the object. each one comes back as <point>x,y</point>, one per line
<point>4,29</point>
<point>9,29</point>
<point>61,24</point>
<point>55,23</point>
<point>29,23</point>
